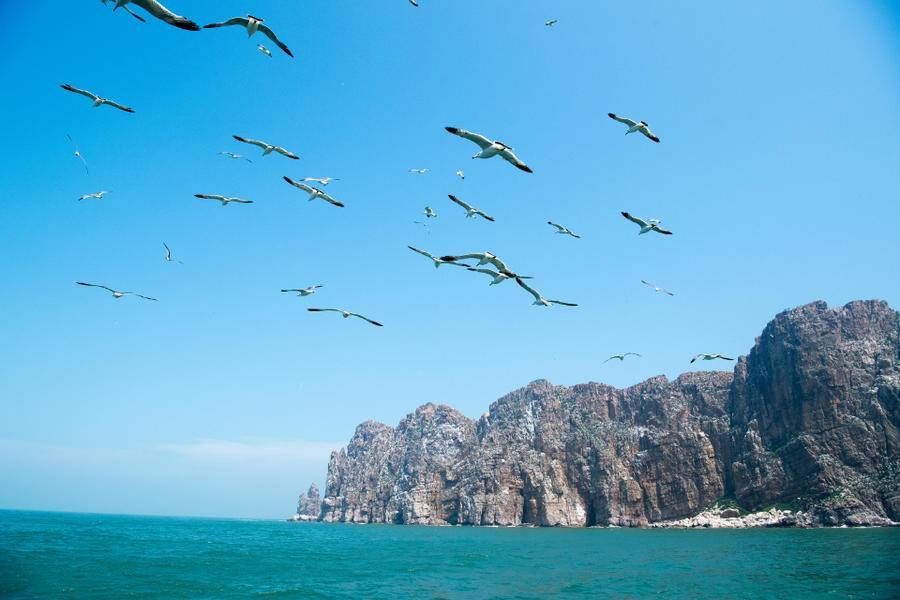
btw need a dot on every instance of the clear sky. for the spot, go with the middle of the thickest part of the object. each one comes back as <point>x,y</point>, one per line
<point>778,171</point>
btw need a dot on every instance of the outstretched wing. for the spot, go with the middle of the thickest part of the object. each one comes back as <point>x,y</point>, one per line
<point>210,197</point>
<point>119,106</point>
<point>561,303</point>
<point>284,152</point>
<point>507,155</point>
<point>262,145</point>
<point>328,198</point>
<point>484,215</point>
<point>337,310</point>
<point>72,88</point>
<point>144,297</point>
<point>271,35</point>
<point>479,139</point>
<point>634,219</point>
<point>465,205</point>
<point>376,323</point>
<point>108,289</point>
<point>161,12</point>
<point>242,21</point>
<point>650,135</point>
<point>624,120</point>
<point>297,184</point>
<point>662,231</point>
<point>422,252</point>
<point>529,289</point>
<point>560,228</point>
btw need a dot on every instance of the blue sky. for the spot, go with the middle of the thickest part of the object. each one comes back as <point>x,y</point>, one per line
<point>778,171</point>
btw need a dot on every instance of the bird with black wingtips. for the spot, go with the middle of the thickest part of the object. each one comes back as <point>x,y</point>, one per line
<point>647,225</point>
<point>267,148</point>
<point>704,356</point>
<point>471,211</point>
<point>97,100</point>
<point>639,126</point>
<point>116,293</point>
<point>307,291</point>
<point>538,298</point>
<point>313,192</point>
<point>490,148</point>
<point>225,200</point>
<point>563,230</point>
<point>252,25</point>
<point>620,357</point>
<point>346,314</point>
<point>160,12</point>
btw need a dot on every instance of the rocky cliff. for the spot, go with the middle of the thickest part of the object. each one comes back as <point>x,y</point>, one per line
<point>808,421</point>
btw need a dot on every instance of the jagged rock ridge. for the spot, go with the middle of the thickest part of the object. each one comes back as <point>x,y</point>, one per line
<point>810,419</point>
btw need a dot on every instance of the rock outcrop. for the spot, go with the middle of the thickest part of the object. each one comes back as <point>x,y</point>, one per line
<point>309,504</point>
<point>809,423</point>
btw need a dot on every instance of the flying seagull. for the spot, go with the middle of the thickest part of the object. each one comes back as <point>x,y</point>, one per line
<point>437,261</point>
<point>78,154</point>
<point>414,3</point>
<point>461,174</point>
<point>620,356</point>
<point>346,314</point>
<point>710,357</point>
<point>252,25</point>
<point>160,12</point>
<point>97,100</point>
<point>563,230</point>
<point>267,148</point>
<point>471,211</point>
<point>234,156</point>
<point>313,192</point>
<point>320,180</point>
<point>169,256</point>
<point>307,291</point>
<point>418,171</point>
<point>486,258</point>
<point>128,10</point>
<point>551,22</point>
<point>656,288</point>
<point>429,213</point>
<point>225,200</point>
<point>116,293</point>
<point>538,299</point>
<point>497,276</point>
<point>648,225</point>
<point>264,50</point>
<point>94,196</point>
<point>490,148</point>
<point>633,126</point>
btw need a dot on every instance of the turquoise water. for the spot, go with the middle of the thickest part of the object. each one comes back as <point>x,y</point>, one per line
<point>99,556</point>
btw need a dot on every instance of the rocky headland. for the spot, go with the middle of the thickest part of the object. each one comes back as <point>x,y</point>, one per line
<point>804,432</point>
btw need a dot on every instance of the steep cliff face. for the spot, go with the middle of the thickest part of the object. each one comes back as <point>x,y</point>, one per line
<point>810,417</point>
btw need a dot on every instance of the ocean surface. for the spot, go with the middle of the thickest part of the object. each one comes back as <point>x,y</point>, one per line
<point>52,555</point>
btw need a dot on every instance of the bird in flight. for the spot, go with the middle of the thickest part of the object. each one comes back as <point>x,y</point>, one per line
<point>234,156</point>
<point>97,100</point>
<point>307,291</point>
<point>563,230</point>
<point>538,298</point>
<point>116,293</point>
<point>264,50</point>
<point>320,180</point>
<point>620,356</point>
<point>419,171</point>
<point>461,174</point>
<point>486,258</point>
<point>267,148</point>
<point>471,211</point>
<point>225,200</point>
<point>710,357</point>
<point>437,261</point>
<point>648,225</point>
<point>490,148</point>
<point>94,196</point>
<point>551,22</point>
<point>656,288</point>
<point>633,126</point>
<point>430,213</point>
<point>78,154</point>
<point>128,10</point>
<point>169,257</point>
<point>414,3</point>
<point>252,25</point>
<point>159,11</point>
<point>313,192</point>
<point>497,276</point>
<point>346,313</point>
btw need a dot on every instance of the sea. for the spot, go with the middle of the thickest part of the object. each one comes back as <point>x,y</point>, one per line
<point>69,555</point>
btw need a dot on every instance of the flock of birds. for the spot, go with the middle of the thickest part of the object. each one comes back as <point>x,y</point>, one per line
<point>485,263</point>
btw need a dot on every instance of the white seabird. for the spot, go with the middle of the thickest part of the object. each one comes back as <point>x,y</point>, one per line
<point>414,3</point>
<point>252,25</point>
<point>437,261</point>
<point>116,293</point>
<point>94,196</point>
<point>486,258</point>
<point>551,22</point>
<point>710,357</point>
<point>620,356</point>
<point>234,156</point>
<point>563,230</point>
<point>429,213</point>
<point>656,288</point>
<point>320,180</point>
<point>471,211</point>
<point>313,192</point>
<point>648,225</point>
<point>267,148</point>
<point>160,12</point>
<point>307,291</point>
<point>419,171</point>
<point>169,256</point>
<point>97,100</point>
<point>225,200</point>
<point>633,126</point>
<point>78,154</point>
<point>490,148</point>
<point>346,313</point>
<point>538,298</point>
<point>497,276</point>
<point>264,50</point>
<point>461,174</point>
